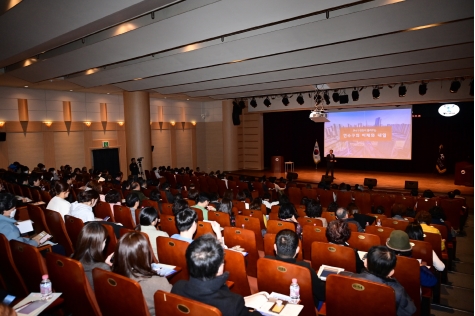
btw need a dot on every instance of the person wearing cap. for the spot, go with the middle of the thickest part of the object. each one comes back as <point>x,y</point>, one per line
<point>399,242</point>
<point>380,263</point>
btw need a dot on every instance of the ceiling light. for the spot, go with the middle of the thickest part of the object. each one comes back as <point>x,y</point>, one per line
<point>88,124</point>
<point>242,104</point>
<point>402,90</point>
<point>120,123</point>
<point>253,103</point>
<point>343,99</point>
<point>318,99</point>
<point>2,123</point>
<point>336,96</point>
<point>422,88</point>
<point>285,100</point>
<point>326,97</point>
<point>26,86</point>
<point>108,93</point>
<point>187,99</point>
<point>355,95</point>
<point>300,99</point>
<point>71,90</point>
<point>376,93</point>
<point>267,102</point>
<point>455,86</point>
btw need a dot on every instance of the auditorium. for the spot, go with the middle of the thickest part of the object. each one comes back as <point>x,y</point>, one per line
<point>209,157</point>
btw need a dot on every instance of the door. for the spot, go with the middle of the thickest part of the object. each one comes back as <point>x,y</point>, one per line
<point>107,158</point>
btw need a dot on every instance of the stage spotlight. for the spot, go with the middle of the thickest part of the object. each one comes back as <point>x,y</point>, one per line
<point>242,104</point>
<point>318,99</point>
<point>326,97</point>
<point>336,96</point>
<point>285,100</point>
<point>423,88</point>
<point>267,102</point>
<point>253,103</point>
<point>376,93</point>
<point>471,88</point>
<point>355,95</point>
<point>402,90</point>
<point>455,86</point>
<point>300,99</point>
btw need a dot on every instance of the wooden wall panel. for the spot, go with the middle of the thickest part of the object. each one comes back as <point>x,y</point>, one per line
<point>161,154</point>
<point>69,149</point>
<point>214,146</point>
<point>201,145</point>
<point>27,148</point>
<point>184,156</point>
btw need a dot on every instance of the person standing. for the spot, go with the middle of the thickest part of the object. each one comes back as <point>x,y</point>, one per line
<point>330,163</point>
<point>134,169</point>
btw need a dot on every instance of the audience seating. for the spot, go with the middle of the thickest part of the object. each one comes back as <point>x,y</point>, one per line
<point>329,216</point>
<point>167,209</point>
<point>269,241</point>
<point>276,276</point>
<point>235,264</point>
<point>102,210</point>
<point>257,214</point>
<point>58,230</point>
<point>246,239</point>
<point>453,210</point>
<point>363,241</point>
<point>273,226</point>
<point>309,235</point>
<point>37,215</point>
<point>45,196</point>
<point>199,213</point>
<point>222,218</point>
<point>172,251</point>
<point>26,192</point>
<point>350,296</point>
<point>407,272</point>
<point>325,197</point>
<point>251,223</point>
<point>333,255</point>
<point>123,215</point>
<point>203,228</point>
<point>382,232</point>
<point>384,200</point>
<point>274,216</point>
<point>394,223</point>
<point>118,295</point>
<point>353,227</point>
<point>68,277</point>
<point>9,273</point>
<point>175,305</point>
<point>309,221</point>
<point>73,226</point>
<point>29,263</point>
<point>168,225</point>
<point>425,204</point>
<point>343,198</point>
<point>111,241</point>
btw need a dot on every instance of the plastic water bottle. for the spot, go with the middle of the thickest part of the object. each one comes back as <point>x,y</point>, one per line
<point>294,292</point>
<point>46,288</point>
<point>378,222</point>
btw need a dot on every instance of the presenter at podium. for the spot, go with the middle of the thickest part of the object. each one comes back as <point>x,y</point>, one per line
<point>330,163</point>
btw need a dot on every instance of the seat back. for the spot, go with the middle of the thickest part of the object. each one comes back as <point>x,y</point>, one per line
<point>329,216</point>
<point>163,196</point>
<point>74,226</point>
<point>58,230</point>
<point>123,215</point>
<point>353,227</point>
<point>309,235</point>
<point>167,208</point>
<point>363,241</point>
<point>269,241</point>
<point>351,296</point>
<point>175,305</point>
<point>36,195</point>
<point>172,251</point>
<point>273,226</point>
<point>382,232</point>
<point>436,241</point>
<point>425,204</point>
<point>257,214</point>
<point>118,295</point>
<point>275,208</point>
<point>168,224</point>
<point>9,273</point>
<point>29,263</point>
<point>45,196</point>
<point>394,223</point>
<point>274,216</point>
<point>246,239</point>
<point>223,219</point>
<point>295,195</point>
<point>199,213</point>
<point>344,197</point>
<point>150,203</point>
<point>26,192</point>
<point>102,210</point>
<point>276,276</point>
<point>111,241</point>
<point>203,228</point>
<point>453,209</point>
<point>410,281</point>
<point>251,223</point>
<point>422,250</point>
<point>235,264</point>
<point>333,255</point>
<point>37,215</point>
<point>309,221</point>
<point>75,288</point>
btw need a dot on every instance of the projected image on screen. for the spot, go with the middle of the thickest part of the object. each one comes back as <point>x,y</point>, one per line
<point>383,134</point>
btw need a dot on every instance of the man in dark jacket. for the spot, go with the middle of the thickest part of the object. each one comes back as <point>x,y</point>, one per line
<point>287,247</point>
<point>342,213</point>
<point>207,284</point>
<point>134,169</point>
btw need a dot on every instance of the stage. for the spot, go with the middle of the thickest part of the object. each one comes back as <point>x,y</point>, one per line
<point>438,183</point>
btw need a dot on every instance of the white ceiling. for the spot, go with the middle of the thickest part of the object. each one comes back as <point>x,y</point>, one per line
<point>219,49</point>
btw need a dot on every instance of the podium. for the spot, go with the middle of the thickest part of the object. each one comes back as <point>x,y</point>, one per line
<point>464,174</point>
<point>277,164</point>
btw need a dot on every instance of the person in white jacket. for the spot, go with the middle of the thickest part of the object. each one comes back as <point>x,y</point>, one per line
<point>58,203</point>
<point>82,208</point>
<point>414,231</point>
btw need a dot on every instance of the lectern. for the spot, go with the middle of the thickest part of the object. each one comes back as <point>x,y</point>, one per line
<point>277,164</point>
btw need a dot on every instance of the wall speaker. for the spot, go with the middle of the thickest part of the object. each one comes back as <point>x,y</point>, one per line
<point>3,137</point>
<point>370,183</point>
<point>327,179</point>
<point>410,185</point>
<point>292,176</point>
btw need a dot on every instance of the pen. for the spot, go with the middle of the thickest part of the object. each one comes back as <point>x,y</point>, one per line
<point>20,307</point>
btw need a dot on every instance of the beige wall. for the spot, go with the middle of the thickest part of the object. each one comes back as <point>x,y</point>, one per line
<point>251,141</point>
<point>210,146</point>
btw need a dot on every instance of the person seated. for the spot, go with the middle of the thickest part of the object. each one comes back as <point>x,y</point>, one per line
<point>179,206</point>
<point>59,203</point>
<point>379,210</point>
<point>398,211</point>
<point>380,263</point>
<point>186,222</point>
<point>132,201</point>
<point>113,197</point>
<point>207,283</point>
<point>136,189</point>
<point>363,219</point>
<point>82,208</point>
<point>414,231</point>
<point>34,181</point>
<point>267,201</point>
<point>148,224</point>
<point>438,217</point>
<point>288,213</point>
<point>286,248</point>
<point>133,259</point>
<point>117,180</point>
<point>226,206</point>
<point>313,209</point>
<point>96,186</point>
<point>89,249</point>
<point>399,242</point>
<point>7,219</point>
<point>202,203</point>
<point>342,213</point>
<point>425,219</point>
<point>332,207</point>
<point>338,233</point>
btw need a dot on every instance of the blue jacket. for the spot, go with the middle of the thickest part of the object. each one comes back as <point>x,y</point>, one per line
<point>9,229</point>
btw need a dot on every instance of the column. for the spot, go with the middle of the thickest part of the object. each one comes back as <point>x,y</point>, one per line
<point>230,138</point>
<point>137,128</point>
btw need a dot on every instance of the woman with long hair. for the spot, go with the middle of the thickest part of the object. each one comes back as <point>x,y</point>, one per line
<point>58,203</point>
<point>288,213</point>
<point>133,259</point>
<point>226,206</point>
<point>414,231</point>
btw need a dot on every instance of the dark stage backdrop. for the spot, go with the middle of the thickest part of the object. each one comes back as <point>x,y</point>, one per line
<point>293,135</point>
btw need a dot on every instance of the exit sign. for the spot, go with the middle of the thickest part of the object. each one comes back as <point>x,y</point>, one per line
<point>105,144</point>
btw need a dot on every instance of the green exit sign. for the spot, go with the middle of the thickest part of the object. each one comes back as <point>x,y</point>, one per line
<point>105,144</point>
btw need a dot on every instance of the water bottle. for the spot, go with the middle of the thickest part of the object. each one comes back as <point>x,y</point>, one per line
<point>378,222</point>
<point>294,292</point>
<point>46,288</point>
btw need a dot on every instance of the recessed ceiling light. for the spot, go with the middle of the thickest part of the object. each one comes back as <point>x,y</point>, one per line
<point>70,90</point>
<point>26,86</point>
<point>108,93</point>
<point>187,99</point>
